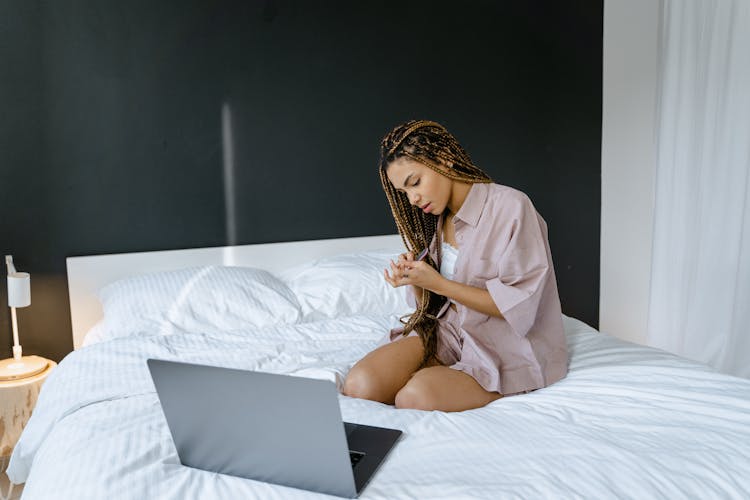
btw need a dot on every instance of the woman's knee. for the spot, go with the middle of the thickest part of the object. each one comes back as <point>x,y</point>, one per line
<point>417,394</point>
<point>380,374</point>
<point>361,383</point>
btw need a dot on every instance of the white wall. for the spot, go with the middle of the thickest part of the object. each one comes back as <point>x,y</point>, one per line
<point>630,50</point>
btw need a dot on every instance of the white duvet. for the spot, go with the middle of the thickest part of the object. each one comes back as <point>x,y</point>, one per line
<point>627,422</point>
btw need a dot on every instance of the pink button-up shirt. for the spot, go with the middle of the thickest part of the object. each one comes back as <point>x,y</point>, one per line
<point>503,248</point>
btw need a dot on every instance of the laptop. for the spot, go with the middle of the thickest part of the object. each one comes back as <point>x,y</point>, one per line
<point>275,428</point>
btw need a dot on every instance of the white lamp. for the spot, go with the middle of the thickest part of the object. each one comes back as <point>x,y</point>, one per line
<point>19,295</point>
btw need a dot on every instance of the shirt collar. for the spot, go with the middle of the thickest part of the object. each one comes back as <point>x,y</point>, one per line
<point>473,204</point>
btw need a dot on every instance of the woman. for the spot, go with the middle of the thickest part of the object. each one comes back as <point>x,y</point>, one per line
<point>487,322</point>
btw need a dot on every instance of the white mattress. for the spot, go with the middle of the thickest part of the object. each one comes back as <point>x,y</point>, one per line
<point>627,422</point>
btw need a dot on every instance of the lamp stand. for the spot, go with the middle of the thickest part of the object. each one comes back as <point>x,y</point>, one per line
<point>20,366</point>
<point>16,345</point>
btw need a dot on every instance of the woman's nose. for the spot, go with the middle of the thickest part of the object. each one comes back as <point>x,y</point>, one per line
<point>414,198</point>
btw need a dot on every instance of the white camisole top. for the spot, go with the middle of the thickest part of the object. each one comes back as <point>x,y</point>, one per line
<point>449,255</point>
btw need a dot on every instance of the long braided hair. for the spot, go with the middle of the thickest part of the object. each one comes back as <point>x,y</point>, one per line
<point>430,144</point>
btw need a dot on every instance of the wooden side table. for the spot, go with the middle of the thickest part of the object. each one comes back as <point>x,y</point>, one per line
<point>17,401</point>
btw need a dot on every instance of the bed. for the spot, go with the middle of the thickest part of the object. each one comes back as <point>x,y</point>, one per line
<point>627,422</point>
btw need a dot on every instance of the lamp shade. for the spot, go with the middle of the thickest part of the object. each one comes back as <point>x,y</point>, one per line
<point>19,290</point>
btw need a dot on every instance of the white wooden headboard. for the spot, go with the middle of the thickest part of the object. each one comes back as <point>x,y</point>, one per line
<point>86,275</point>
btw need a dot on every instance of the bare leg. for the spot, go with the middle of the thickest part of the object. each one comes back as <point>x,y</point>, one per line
<point>383,372</point>
<point>445,389</point>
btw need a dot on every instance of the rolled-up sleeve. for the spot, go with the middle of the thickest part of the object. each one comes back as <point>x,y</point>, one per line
<point>523,268</point>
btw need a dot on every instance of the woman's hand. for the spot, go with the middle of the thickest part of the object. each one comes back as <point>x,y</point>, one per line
<point>407,271</point>
<point>397,278</point>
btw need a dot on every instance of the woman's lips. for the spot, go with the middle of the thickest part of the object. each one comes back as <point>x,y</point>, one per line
<point>427,208</point>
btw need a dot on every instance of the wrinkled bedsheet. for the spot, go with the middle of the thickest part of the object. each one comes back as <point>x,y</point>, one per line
<point>627,422</point>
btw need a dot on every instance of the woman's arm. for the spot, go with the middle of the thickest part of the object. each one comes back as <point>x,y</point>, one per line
<point>413,272</point>
<point>472,297</point>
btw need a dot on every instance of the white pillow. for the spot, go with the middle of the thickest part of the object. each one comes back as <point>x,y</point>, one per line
<point>346,285</point>
<point>197,299</point>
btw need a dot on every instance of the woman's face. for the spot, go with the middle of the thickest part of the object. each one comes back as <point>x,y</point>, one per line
<point>424,187</point>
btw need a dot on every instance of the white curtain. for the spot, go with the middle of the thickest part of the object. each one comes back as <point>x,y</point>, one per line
<point>700,277</point>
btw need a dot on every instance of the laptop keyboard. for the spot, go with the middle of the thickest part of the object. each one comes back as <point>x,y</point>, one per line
<point>355,457</point>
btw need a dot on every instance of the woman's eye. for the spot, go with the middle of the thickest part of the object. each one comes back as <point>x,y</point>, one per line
<point>416,183</point>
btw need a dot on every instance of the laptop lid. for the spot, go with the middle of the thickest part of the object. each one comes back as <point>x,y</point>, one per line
<point>274,428</point>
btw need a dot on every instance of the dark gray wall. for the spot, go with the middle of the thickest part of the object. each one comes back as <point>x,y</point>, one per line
<point>111,139</point>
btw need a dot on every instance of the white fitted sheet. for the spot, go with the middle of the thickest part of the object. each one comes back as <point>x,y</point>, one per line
<point>627,422</point>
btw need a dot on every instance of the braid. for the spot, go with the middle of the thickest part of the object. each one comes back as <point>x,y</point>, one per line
<point>430,144</point>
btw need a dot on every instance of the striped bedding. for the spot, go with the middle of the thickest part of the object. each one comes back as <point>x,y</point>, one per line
<point>627,422</point>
